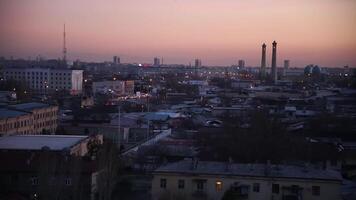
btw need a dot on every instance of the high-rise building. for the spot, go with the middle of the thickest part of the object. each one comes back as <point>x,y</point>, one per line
<point>286,67</point>
<point>197,63</point>
<point>274,62</point>
<point>241,64</point>
<point>156,61</point>
<point>263,61</point>
<point>116,60</point>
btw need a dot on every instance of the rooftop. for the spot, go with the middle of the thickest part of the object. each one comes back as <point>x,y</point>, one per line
<point>30,106</point>
<point>254,170</point>
<point>7,113</point>
<point>37,142</point>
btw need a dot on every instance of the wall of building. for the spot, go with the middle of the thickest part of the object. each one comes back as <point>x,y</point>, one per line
<point>45,119</point>
<point>329,190</point>
<point>17,125</point>
<point>45,80</point>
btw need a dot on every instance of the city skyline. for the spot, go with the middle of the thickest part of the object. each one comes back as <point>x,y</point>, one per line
<point>218,33</point>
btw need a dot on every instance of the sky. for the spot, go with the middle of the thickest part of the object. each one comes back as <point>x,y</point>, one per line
<point>219,32</point>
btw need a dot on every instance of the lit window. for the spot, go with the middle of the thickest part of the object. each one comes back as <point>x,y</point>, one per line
<point>218,186</point>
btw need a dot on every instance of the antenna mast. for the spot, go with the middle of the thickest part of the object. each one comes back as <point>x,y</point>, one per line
<point>64,44</point>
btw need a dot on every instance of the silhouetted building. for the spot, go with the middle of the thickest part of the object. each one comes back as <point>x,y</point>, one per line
<point>241,64</point>
<point>156,61</point>
<point>286,67</point>
<point>274,62</point>
<point>197,63</point>
<point>116,60</point>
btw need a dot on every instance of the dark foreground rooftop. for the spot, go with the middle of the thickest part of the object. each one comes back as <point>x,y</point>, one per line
<point>252,170</point>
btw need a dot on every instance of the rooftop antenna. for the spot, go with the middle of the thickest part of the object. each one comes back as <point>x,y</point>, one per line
<point>64,44</point>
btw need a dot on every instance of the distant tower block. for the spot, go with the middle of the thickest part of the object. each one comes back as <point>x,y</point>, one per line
<point>116,59</point>
<point>274,62</point>
<point>156,61</point>
<point>286,67</point>
<point>263,61</point>
<point>197,63</point>
<point>241,64</point>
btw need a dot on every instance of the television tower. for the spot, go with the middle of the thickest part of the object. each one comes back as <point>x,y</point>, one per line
<point>64,45</point>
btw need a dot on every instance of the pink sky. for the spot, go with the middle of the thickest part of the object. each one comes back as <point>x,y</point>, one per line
<point>218,31</point>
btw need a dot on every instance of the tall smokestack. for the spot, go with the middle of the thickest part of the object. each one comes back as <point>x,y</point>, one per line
<point>263,61</point>
<point>274,62</point>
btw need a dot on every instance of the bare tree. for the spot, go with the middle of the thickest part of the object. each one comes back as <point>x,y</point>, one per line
<point>109,163</point>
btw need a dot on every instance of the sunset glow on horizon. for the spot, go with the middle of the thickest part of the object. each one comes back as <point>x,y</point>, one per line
<point>219,32</point>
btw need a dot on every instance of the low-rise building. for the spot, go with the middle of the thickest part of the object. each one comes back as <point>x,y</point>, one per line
<point>212,180</point>
<point>47,167</point>
<point>28,118</point>
<point>15,122</point>
<point>73,144</point>
<point>44,116</point>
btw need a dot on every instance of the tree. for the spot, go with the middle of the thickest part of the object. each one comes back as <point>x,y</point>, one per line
<point>109,165</point>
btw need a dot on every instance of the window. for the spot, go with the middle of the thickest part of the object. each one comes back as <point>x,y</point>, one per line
<point>200,185</point>
<point>181,184</point>
<point>275,188</point>
<point>218,186</point>
<point>163,183</point>
<point>34,180</point>
<point>316,190</point>
<point>68,181</point>
<point>256,187</point>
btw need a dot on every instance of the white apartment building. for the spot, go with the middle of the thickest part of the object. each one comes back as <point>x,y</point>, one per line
<point>46,80</point>
<point>212,180</point>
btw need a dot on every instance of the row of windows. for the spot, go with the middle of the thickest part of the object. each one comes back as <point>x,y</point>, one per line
<point>38,78</point>
<point>35,181</point>
<point>46,123</point>
<point>22,78</point>
<point>17,124</point>
<point>46,114</point>
<point>219,186</point>
<point>39,73</point>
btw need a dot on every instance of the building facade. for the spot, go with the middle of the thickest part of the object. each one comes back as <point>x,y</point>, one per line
<point>214,180</point>
<point>47,167</point>
<point>119,87</point>
<point>28,118</point>
<point>46,80</point>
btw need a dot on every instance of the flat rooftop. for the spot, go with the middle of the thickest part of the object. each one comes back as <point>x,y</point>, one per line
<point>8,113</point>
<point>251,170</point>
<point>37,142</point>
<point>30,106</point>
